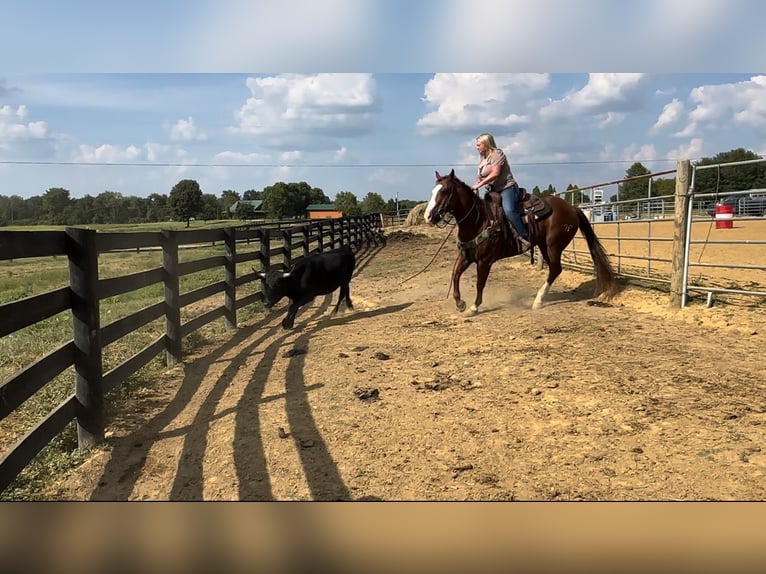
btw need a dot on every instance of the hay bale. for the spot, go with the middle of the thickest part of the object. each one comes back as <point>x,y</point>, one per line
<point>415,216</point>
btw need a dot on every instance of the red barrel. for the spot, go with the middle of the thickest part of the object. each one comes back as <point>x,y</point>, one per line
<point>724,216</point>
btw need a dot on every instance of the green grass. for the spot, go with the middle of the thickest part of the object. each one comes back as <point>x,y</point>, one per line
<point>28,277</point>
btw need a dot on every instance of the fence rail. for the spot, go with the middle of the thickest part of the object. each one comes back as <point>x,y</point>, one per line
<point>276,246</point>
<point>674,240</point>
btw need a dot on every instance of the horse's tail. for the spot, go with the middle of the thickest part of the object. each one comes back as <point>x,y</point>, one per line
<point>605,280</point>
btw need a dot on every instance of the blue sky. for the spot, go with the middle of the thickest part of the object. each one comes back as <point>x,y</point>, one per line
<point>343,94</point>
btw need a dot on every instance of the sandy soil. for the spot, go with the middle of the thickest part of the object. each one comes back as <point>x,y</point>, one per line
<point>404,398</point>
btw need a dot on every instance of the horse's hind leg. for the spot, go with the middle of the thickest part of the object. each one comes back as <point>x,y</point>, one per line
<point>482,272</point>
<point>552,257</point>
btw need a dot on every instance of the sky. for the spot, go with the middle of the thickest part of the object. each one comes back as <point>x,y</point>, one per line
<point>348,95</point>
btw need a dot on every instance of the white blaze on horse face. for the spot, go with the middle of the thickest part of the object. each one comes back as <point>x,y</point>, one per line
<point>432,203</point>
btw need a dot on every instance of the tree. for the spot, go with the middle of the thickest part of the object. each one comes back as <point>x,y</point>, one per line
<point>663,186</point>
<point>109,207</point>
<point>732,178</point>
<point>55,201</point>
<point>251,194</point>
<point>291,199</point>
<point>186,200</point>
<point>575,196</point>
<point>637,188</point>
<point>536,191</point>
<point>157,207</point>
<point>373,203</point>
<point>279,201</point>
<point>211,207</point>
<point>346,203</point>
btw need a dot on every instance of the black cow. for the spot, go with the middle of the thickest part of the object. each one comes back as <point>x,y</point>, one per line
<point>317,274</point>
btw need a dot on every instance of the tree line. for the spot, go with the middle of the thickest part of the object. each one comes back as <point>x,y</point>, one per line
<point>186,201</point>
<point>283,200</point>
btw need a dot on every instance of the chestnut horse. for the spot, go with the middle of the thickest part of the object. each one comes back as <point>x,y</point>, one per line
<point>484,237</point>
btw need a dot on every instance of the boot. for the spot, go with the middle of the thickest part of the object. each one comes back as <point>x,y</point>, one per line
<point>525,244</point>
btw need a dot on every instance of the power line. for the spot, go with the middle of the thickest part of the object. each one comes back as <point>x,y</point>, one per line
<point>319,165</point>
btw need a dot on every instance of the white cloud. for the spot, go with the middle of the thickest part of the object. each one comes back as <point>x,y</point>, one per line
<point>691,150</point>
<point>155,151</point>
<point>340,154</point>
<point>471,102</point>
<point>742,103</point>
<point>610,119</point>
<point>285,109</point>
<point>603,93</point>
<point>670,114</point>
<point>185,130</point>
<point>13,128</point>
<point>634,152</point>
<point>107,153</point>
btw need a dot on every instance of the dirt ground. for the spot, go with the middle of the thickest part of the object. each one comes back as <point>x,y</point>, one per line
<point>404,398</point>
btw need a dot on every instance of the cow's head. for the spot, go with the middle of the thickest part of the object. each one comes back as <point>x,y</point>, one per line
<point>272,286</point>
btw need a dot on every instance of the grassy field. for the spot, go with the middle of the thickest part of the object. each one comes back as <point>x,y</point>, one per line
<point>27,277</point>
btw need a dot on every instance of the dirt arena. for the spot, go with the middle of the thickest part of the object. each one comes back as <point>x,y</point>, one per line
<point>406,399</point>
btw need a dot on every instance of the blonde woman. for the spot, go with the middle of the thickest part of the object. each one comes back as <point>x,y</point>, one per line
<point>495,172</point>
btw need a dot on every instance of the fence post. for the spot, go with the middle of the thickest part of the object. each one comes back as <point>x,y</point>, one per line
<point>680,221</point>
<point>320,223</point>
<point>306,240</point>
<point>332,234</point>
<point>86,326</point>
<point>230,277</point>
<point>265,249</point>
<point>287,247</point>
<point>172,297</point>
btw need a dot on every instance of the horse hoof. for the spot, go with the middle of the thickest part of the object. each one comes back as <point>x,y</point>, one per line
<point>460,306</point>
<point>471,311</point>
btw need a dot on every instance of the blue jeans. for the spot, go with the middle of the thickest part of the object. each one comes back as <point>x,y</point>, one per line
<point>510,197</point>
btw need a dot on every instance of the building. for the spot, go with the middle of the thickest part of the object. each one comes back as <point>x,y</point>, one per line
<point>256,213</point>
<point>322,211</point>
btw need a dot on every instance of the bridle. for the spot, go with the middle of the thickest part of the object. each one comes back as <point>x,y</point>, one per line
<point>442,206</point>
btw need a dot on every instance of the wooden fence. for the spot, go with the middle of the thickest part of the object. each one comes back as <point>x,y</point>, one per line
<point>276,246</point>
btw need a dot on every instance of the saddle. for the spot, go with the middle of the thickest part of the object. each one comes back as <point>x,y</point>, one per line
<point>533,209</point>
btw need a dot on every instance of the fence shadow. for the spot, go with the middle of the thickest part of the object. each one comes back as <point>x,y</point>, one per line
<point>129,453</point>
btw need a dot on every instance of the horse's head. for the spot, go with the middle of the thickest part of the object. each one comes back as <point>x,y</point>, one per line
<point>442,196</point>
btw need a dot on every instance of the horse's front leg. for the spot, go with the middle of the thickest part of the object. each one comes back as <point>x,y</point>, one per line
<point>482,272</point>
<point>461,264</point>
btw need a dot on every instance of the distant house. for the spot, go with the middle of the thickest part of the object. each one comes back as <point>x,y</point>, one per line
<point>322,211</point>
<point>256,204</point>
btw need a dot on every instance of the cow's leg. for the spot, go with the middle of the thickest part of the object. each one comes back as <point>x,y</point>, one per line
<point>482,272</point>
<point>347,297</point>
<point>292,311</point>
<point>461,264</point>
<point>344,295</point>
